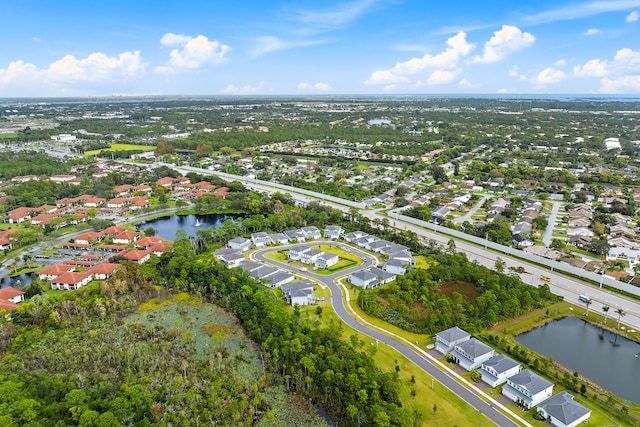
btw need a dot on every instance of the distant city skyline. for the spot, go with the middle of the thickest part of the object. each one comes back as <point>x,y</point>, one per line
<point>74,48</point>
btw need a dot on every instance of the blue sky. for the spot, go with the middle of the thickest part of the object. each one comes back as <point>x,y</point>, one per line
<point>277,47</point>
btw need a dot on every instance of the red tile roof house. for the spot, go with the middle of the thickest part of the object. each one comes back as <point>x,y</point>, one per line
<point>88,237</point>
<point>71,281</point>
<point>118,202</point>
<point>5,243</point>
<point>45,219</point>
<point>144,188</point>
<point>19,215</point>
<point>63,178</point>
<point>112,231</point>
<point>103,271</point>
<point>12,294</point>
<point>139,202</point>
<point>148,242</point>
<point>10,297</point>
<point>160,248</point>
<point>122,190</point>
<point>138,256</point>
<point>126,237</point>
<point>55,270</point>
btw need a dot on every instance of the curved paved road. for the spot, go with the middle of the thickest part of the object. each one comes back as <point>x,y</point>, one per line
<point>424,361</point>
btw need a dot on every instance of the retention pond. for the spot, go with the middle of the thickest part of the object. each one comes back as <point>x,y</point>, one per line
<point>606,358</point>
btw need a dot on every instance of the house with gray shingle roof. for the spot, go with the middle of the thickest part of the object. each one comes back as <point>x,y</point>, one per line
<point>496,370</point>
<point>562,411</point>
<point>528,388</point>
<point>278,279</point>
<point>448,339</point>
<point>472,353</point>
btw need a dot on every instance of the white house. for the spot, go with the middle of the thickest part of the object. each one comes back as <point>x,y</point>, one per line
<point>279,278</point>
<point>239,243</point>
<point>448,339</point>
<point>383,276</point>
<point>299,293</point>
<point>395,266</point>
<point>295,236</point>
<point>296,252</point>
<point>496,370</point>
<point>311,232</point>
<point>332,232</point>
<point>354,235</point>
<point>364,279</point>
<point>311,256</point>
<point>528,388</point>
<point>232,260</point>
<point>263,272</point>
<point>562,411</point>
<point>327,260</point>
<point>261,239</point>
<point>12,294</point>
<point>472,353</point>
<point>71,281</point>
<point>279,238</point>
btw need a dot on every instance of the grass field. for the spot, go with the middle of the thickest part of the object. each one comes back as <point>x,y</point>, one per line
<point>11,135</point>
<point>121,147</point>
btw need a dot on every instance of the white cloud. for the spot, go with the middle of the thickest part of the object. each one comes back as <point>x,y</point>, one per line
<point>591,32</point>
<point>247,89</point>
<point>36,39</point>
<point>171,39</point>
<point>624,84</point>
<point>466,84</point>
<point>443,66</point>
<point>560,62</point>
<point>270,44</point>
<point>441,77</point>
<point>592,68</point>
<point>633,17</point>
<point>386,77</point>
<point>505,41</point>
<point>340,15</point>
<point>319,86</point>
<point>549,76</point>
<point>192,53</point>
<point>513,72</point>
<point>575,11</point>
<point>96,68</point>
<point>626,61</point>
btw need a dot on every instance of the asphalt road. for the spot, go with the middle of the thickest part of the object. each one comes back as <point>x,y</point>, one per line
<point>420,359</point>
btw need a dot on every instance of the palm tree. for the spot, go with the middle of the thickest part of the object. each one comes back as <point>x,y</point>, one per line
<point>587,302</point>
<point>605,309</point>
<point>621,313</point>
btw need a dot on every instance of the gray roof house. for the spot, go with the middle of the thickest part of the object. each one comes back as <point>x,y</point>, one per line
<point>562,411</point>
<point>383,276</point>
<point>379,245</point>
<point>311,232</point>
<point>295,253</point>
<point>350,237</point>
<point>496,370</point>
<point>239,243</point>
<point>279,278</point>
<point>263,272</point>
<point>327,260</point>
<point>364,279</point>
<point>299,293</point>
<point>472,353</point>
<point>395,266</point>
<point>232,260</point>
<point>310,256</point>
<point>332,232</point>
<point>261,239</point>
<point>528,388</point>
<point>249,265</point>
<point>295,236</point>
<point>447,339</point>
<point>279,238</point>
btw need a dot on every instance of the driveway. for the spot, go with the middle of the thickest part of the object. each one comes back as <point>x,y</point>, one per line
<point>548,233</point>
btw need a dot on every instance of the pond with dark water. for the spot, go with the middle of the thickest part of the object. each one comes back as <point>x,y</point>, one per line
<point>606,358</point>
<point>167,226</point>
<point>24,279</point>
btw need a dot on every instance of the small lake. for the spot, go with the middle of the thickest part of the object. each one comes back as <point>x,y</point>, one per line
<point>607,359</point>
<point>379,122</point>
<point>168,226</point>
<point>12,281</point>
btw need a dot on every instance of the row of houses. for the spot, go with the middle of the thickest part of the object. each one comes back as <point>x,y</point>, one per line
<point>523,387</point>
<point>298,292</point>
<point>523,226</point>
<point>302,235</point>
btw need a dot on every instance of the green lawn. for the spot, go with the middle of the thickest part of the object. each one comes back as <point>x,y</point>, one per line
<point>279,256</point>
<point>121,147</point>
